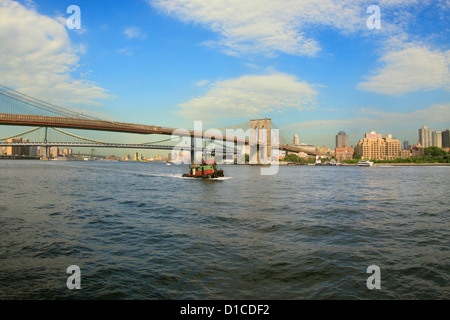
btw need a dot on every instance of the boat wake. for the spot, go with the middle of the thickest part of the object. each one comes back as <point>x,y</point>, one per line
<point>176,176</point>
<point>149,174</point>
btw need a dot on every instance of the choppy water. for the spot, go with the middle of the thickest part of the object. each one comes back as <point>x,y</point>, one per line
<point>140,231</point>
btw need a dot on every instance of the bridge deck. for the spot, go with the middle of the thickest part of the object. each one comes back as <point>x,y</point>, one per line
<point>112,126</point>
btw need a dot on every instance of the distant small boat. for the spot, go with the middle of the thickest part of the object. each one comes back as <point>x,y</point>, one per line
<point>167,164</point>
<point>365,163</point>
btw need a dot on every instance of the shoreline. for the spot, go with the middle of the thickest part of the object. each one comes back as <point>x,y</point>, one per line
<point>377,164</point>
<point>402,164</point>
<point>280,163</point>
<point>411,164</point>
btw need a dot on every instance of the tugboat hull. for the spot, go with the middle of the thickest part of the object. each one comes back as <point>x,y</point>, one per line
<point>217,174</point>
<point>206,171</point>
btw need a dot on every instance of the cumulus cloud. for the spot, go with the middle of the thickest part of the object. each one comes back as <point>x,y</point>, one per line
<point>250,95</point>
<point>38,58</point>
<point>410,69</point>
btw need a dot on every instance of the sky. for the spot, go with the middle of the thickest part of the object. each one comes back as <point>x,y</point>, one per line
<point>314,67</point>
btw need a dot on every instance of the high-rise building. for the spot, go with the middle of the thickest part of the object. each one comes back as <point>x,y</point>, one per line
<point>296,139</point>
<point>20,150</point>
<point>405,145</point>
<point>446,139</point>
<point>13,151</point>
<point>425,137</point>
<point>437,139</point>
<point>341,140</point>
<point>373,146</point>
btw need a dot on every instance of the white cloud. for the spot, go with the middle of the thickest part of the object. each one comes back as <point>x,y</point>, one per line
<point>37,57</point>
<point>284,26</point>
<point>267,26</point>
<point>133,33</point>
<point>250,95</point>
<point>410,69</point>
<point>201,83</point>
<point>127,51</point>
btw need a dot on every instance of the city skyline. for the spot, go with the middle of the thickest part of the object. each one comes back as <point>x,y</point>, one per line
<point>314,67</point>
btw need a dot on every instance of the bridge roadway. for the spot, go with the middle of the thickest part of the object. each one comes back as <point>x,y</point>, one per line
<point>112,126</point>
<point>106,145</point>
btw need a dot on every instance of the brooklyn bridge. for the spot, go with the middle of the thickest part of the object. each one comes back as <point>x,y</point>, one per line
<point>18,109</point>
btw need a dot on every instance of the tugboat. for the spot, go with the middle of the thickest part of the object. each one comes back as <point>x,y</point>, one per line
<point>206,170</point>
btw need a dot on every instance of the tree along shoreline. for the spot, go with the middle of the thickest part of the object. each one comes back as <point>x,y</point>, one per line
<point>432,155</point>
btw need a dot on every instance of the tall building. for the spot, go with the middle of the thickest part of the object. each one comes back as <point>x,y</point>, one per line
<point>405,145</point>
<point>341,140</point>
<point>20,150</point>
<point>13,151</point>
<point>373,146</point>
<point>446,139</point>
<point>425,137</point>
<point>436,139</point>
<point>296,139</point>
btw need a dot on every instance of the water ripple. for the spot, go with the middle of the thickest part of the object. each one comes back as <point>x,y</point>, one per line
<point>141,231</point>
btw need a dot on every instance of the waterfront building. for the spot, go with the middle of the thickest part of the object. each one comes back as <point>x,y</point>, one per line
<point>413,151</point>
<point>405,154</point>
<point>373,146</point>
<point>66,152</point>
<point>418,150</point>
<point>13,151</point>
<point>446,139</point>
<point>341,140</point>
<point>425,136</point>
<point>437,139</point>
<point>342,154</point>
<point>20,150</point>
<point>54,152</point>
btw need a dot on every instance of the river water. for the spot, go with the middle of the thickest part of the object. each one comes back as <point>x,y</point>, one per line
<point>141,231</point>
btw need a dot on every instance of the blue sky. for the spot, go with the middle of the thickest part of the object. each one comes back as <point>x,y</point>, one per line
<point>313,67</point>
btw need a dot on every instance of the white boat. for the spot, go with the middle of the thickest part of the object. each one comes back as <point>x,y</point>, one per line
<point>365,163</point>
<point>318,161</point>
